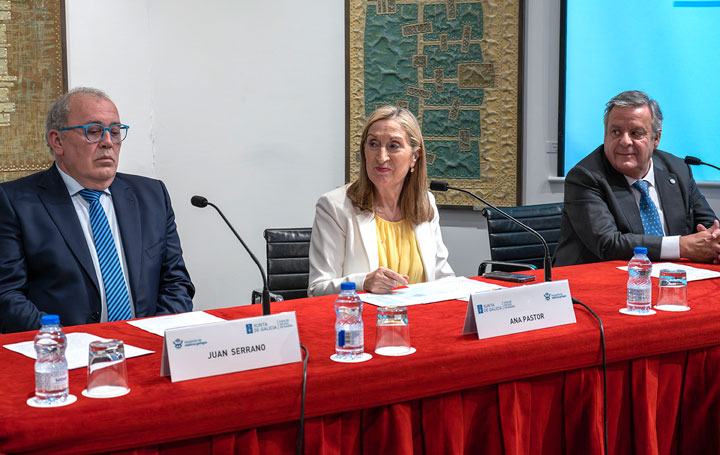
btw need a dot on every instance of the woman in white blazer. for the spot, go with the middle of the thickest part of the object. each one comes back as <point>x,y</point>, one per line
<point>382,230</point>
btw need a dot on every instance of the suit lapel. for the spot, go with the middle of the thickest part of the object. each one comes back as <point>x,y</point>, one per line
<point>55,197</point>
<point>625,200</point>
<point>128,217</point>
<point>368,234</point>
<point>671,199</point>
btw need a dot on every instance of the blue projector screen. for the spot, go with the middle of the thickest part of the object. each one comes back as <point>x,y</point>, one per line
<point>668,49</point>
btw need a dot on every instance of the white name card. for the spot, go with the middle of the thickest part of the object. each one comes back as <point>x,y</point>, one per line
<point>519,309</point>
<point>230,346</point>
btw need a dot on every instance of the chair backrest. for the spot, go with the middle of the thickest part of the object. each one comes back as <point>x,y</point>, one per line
<point>287,261</point>
<point>511,243</point>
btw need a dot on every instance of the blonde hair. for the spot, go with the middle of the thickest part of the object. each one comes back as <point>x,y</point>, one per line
<point>414,202</point>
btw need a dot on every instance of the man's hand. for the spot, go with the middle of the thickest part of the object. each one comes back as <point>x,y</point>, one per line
<point>703,246</point>
<point>382,280</point>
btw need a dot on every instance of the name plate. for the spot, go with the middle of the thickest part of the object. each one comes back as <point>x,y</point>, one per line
<point>230,346</point>
<point>519,309</point>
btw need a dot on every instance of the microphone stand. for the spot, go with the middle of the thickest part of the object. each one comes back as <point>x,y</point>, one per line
<point>437,185</point>
<point>200,201</point>
<point>695,161</point>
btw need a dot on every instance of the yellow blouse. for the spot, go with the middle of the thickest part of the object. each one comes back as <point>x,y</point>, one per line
<point>398,249</point>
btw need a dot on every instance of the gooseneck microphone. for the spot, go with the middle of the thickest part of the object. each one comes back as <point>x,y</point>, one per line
<point>201,202</point>
<point>436,185</point>
<point>695,161</point>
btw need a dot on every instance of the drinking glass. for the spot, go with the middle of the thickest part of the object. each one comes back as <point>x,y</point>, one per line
<point>106,370</point>
<point>672,291</point>
<point>392,336</point>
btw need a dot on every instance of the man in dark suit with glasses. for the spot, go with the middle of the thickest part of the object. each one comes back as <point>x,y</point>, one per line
<point>81,240</point>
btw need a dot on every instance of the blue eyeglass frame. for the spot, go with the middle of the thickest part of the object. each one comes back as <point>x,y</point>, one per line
<point>105,128</point>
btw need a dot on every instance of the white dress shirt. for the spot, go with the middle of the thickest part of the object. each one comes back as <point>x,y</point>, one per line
<point>82,209</point>
<point>670,248</point>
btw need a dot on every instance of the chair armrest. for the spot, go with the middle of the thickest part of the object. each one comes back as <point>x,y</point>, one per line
<point>505,266</point>
<point>257,297</point>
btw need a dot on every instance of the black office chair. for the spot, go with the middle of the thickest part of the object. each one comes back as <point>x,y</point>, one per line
<point>511,247</point>
<point>287,263</point>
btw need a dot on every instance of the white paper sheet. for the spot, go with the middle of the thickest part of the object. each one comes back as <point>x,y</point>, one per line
<point>693,273</point>
<point>434,291</point>
<point>77,349</point>
<point>159,324</point>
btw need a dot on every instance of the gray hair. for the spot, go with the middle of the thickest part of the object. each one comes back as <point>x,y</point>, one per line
<point>636,98</point>
<point>60,108</point>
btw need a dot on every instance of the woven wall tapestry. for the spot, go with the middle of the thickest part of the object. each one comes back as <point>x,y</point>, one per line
<point>32,75</point>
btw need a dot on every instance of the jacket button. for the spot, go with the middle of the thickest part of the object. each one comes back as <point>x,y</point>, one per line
<point>95,316</point>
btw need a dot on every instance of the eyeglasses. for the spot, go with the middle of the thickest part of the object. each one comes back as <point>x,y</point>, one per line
<point>94,132</point>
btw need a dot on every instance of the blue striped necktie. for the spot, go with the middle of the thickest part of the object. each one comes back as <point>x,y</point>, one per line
<point>648,212</point>
<point>116,293</point>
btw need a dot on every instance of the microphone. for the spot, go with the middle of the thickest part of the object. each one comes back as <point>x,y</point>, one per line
<point>695,161</point>
<point>436,185</point>
<point>200,201</point>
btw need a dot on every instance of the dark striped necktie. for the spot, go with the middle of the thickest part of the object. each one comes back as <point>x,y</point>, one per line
<point>116,293</point>
<point>648,212</point>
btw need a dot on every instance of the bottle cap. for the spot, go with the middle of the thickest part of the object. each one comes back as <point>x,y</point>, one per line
<point>640,250</point>
<point>50,319</point>
<point>347,286</point>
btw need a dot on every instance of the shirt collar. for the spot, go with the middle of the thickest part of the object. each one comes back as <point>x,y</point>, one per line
<point>649,177</point>
<point>72,185</point>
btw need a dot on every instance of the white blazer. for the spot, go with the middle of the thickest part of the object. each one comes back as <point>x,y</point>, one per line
<point>344,246</point>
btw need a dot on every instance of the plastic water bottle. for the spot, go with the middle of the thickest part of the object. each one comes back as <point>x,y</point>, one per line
<point>639,286</point>
<point>51,368</point>
<point>349,337</point>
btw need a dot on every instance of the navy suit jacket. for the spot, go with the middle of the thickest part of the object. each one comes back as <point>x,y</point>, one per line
<point>45,262</point>
<point>601,220</point>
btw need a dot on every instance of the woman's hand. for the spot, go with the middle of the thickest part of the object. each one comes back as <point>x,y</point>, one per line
<point>382,280</point>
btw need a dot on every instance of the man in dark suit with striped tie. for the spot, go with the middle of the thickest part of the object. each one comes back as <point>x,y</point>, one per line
<point>81,240</point>
<point>627,193</point>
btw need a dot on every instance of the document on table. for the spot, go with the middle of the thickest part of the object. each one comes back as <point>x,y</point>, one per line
<point>458,288</point>
<point>77,349</point>
<point>693,273</point>
<point>159,324</point>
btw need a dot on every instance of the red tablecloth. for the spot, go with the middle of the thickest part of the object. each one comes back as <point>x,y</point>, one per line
<point>534,392</point>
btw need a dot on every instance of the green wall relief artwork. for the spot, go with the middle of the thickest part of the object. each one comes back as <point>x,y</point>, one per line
<point>455,65</point>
